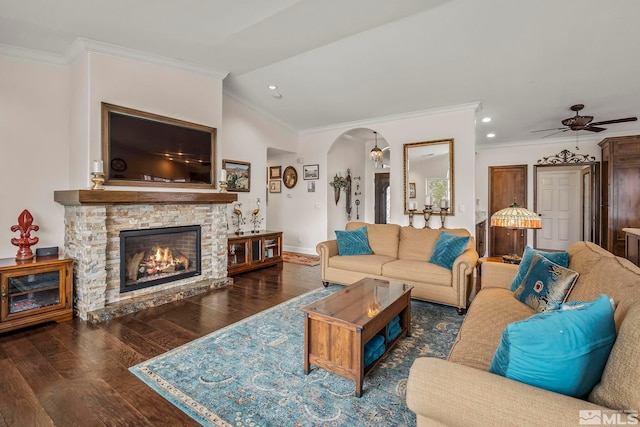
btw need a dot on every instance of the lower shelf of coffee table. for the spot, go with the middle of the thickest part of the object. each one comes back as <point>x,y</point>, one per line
<point>339,347</point>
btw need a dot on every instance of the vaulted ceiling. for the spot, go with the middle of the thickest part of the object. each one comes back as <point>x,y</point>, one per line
<point>336,61</point>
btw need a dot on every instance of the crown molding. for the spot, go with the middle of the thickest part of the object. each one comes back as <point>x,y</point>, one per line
<point>81,46</point>
<point>472,106</point>
<point>32,55</point>
<point>239,98</point>
<point>549,141</point>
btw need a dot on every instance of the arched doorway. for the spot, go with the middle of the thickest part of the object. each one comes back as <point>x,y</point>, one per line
<point>350,151</point>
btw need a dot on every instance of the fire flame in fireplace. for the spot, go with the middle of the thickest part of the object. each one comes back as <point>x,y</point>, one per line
<point>158,260</point>
<point>163,256</point>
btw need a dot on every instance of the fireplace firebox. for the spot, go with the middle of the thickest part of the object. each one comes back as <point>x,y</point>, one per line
<point>155,256</point>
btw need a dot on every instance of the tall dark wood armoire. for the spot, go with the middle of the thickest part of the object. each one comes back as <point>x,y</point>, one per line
<point>620,190</point>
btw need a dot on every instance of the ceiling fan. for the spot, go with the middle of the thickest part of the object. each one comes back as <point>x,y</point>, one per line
<point>579,122</point>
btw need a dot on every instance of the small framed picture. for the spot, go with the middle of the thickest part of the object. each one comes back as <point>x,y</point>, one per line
<point>412,190</point>
<point>238,175</point>
<point>290,177</point>
<point>311,187</point>
<point>275,186</point>
<point>310,172</point>
<point>275,172</point>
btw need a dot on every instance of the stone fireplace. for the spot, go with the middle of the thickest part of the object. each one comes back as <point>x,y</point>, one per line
<point>94,223</point>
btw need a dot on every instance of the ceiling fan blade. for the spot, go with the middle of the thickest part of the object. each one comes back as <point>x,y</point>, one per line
<point>608,122</point>
<point>555,133</point>
<point>593,129</point>
<point>546,130</point>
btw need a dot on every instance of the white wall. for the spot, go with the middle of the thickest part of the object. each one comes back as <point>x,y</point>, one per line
<point>458,124</point>
<point>50,126</point>
<point>171,92</point>
<point>344,154</point>
<point>34,150</point>
<point>246,135</point>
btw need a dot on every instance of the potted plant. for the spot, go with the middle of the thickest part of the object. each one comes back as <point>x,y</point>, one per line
<point>338,183</point>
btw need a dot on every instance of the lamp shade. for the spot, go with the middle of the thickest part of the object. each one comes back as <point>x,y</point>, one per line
<point>516,217</point>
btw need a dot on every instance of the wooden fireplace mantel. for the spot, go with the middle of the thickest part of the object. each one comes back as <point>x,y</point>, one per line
<point>108,197</point>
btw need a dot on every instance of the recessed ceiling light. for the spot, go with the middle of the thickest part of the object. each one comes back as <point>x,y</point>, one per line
<point>272,87</point>
<point>486,120</point>
<point>277,95</point>
<point>491,135</point>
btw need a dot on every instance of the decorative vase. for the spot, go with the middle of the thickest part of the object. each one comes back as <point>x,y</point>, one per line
<point>336,194</point>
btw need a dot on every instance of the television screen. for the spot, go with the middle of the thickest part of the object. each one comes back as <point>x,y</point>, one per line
<point>141,148</point>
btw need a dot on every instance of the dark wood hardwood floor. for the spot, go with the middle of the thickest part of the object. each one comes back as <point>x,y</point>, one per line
<point>76,374</point>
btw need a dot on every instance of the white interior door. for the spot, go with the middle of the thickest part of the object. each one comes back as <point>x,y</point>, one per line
<point>558,198</point>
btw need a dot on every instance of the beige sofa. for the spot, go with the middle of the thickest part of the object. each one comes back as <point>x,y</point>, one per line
<point>461,392</point>
<point>402,254</point>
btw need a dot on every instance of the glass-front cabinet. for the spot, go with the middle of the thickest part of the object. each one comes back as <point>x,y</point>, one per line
<point>250,251</point>
<point>35,291</point>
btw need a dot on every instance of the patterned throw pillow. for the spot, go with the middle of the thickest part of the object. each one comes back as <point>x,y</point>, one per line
<point>564,351</point>
<point>546,285</point>
<point>560,258</point>
<point>353,242</point>
<point>448,248</point>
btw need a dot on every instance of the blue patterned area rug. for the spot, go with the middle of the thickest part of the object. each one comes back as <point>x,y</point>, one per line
<point>251,374</point>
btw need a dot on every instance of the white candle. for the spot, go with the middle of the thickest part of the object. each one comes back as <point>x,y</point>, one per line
<point>427,201</point>
<point>444,203</point>
<point>223,175</point>
<point>412,206</point>
<point>97,167</point>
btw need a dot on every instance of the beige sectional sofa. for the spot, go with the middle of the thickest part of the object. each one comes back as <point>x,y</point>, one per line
<point>402,254</point>
<point>461,392</point>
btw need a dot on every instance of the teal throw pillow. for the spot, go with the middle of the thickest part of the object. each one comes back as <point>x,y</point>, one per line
<point>564,351</point>
<point>448,248</point>
<point>546,285</point>
<point>353,242</point>
<point>560,258</point>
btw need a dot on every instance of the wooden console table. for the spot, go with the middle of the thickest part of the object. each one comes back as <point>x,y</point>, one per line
<point>250,251</point>
<point>35,291</point>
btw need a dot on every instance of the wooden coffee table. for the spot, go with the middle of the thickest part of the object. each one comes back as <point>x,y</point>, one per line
<point>337,327</point>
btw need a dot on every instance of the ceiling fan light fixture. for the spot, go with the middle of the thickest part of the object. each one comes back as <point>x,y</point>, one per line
<point>578,122</point>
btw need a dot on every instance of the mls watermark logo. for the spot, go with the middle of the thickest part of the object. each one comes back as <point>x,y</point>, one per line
<point>607,417</point>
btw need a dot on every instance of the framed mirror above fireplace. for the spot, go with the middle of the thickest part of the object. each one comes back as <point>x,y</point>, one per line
<point>145,149</point>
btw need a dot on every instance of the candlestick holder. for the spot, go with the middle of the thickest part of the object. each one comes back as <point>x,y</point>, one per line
<point>98,180</point>
<point>428,210</point>
<point>411,213</point>
<point>223,186</point>
<point>443,215</point>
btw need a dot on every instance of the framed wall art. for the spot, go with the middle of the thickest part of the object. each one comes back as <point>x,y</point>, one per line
<point>275,172</point>
<point>290,177</point>
<point>412,190</point>
<point>238,175</point>
<point>274,186</point>
<point>310,172</point>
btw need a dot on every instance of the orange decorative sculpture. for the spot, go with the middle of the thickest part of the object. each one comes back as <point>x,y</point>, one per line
<point>24,243</point>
